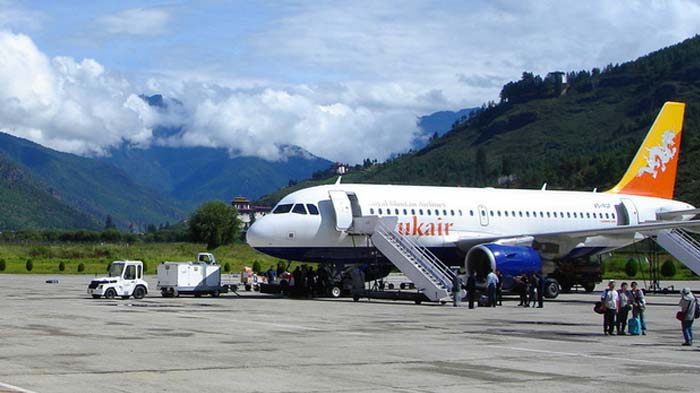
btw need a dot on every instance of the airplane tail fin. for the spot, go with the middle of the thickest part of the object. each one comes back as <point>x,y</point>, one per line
<point>653,169</point>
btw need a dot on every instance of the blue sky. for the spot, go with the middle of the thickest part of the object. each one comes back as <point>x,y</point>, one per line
<point>345,80</point>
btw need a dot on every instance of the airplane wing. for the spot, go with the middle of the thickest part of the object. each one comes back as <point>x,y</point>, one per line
<point>675,215</point>
<point>468,242</point>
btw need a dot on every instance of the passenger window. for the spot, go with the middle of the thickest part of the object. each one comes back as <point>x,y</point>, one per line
<point>568,214</point>
<point>541,214</point>
<point>491,213</point>
<point>437,212</point>
<point>483,213</point>
<point>547,214</point>
<point>371,210</point>
<point>299,209</point>
<point>413,212</point>
<point>606,215</point>
<point>512,213</point>
<point>574,214</point>
<point>444,212</point>
<point>527,214</point>
<point>612,215</point>
<point>396,211</point>
<point>471,213</point>
<point>405,212</point>
<point>505,213</point>
<point>280,209</point>
<point>499,213</point>
<point>555,214</point>
<point>420,211</point>
<point>452,212</point>
<point>588,215</point>
<point>460,212</point>
<point>313,210</point>
<point>380,211</point>
<point>594,215</point>
<point>428,211</point>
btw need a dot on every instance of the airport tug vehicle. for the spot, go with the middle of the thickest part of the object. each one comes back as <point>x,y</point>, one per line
<point>125,279</point>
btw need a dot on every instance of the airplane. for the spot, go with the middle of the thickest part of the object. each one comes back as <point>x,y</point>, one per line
<point>484,229</point>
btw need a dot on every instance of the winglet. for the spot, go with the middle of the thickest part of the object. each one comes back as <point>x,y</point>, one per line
<point>653,169</point>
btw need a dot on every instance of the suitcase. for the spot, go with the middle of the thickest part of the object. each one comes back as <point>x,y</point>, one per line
<point>634,326</point>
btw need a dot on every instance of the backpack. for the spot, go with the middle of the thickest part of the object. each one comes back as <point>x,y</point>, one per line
<point>697,309</point>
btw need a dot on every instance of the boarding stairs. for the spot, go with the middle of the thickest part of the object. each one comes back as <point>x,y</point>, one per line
<point>430,276</point>
<point>681,245</point>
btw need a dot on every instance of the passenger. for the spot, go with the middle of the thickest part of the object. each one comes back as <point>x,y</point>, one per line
<point>687,304</point>
<point>521,286</point>
<point>499,287</point>
<point>610,299</point>
<point>532,290</point>
<point>639,304</point>
<point>271,274</point>
<point>457,286</point>
<point>280,268</point>
<point>310,282</point>
<point>540,291</point>
<point>296,274</point>
<point>491,283</point>
<point>624,306</point>
<point>471,289</point>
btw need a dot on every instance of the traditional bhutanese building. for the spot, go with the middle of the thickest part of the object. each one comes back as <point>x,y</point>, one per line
<point>248,213</point>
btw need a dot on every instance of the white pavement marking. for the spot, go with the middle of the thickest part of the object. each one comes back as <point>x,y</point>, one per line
<point>656,362</point>
<point>14,389</point>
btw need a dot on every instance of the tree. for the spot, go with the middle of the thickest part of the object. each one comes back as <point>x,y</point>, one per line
<point>29,265</point>
<point>214,223</point>
<point>3,265</point>
<point>631,268</point>
<point>81,267</point>
<point>256,267</point>
<point>668,269</point>
<point>61,266</point>
<point>109,224</point>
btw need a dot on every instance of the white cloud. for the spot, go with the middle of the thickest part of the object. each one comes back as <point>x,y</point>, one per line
<point>64,104</point>
<point>13,16</point>
<point>136,21</point>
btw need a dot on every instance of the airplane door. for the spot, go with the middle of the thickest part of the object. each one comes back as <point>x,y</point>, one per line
<point>343,210</point>
<point>631,209</point>
<point>483,215</point>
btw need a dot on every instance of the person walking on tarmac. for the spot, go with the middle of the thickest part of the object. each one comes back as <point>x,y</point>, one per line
<point>540,291</point>
<point>625,305</point>
<point>491,283</point>
<point>610,300</point>
<point>471,289</point>
<point>687,305</point>
<point>639,304</point>
<point>499,287</point>
<point>457,286</point>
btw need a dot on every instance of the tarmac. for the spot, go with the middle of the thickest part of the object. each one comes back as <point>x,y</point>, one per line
<point>54,338</point>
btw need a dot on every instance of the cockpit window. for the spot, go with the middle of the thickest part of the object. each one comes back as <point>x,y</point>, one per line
<point>299,209</point>
<point>280,209</point>
<point>312,209</point>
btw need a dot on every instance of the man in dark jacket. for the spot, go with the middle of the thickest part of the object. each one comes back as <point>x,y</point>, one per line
<point>471,289</point>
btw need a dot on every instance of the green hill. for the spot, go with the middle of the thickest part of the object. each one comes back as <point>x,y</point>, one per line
<point>580,135</point>
<point>94,188</point>
<point>27,203</point>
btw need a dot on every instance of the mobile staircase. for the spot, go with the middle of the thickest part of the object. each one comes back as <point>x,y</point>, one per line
<point>681,245</point>
<point>430,276</point>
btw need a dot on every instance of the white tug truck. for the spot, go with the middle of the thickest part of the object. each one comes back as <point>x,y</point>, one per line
<point>202,277</point>
<point>125,279</point>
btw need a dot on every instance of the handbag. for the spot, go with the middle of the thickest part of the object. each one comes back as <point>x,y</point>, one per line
<point>680,315</point>
<point>599,308</point>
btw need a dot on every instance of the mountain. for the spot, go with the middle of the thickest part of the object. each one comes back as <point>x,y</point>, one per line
<point>91,187</point>
<point>193,175</point>
<point>27,203</point>
<point>439,123</point>
<point>576,131</point>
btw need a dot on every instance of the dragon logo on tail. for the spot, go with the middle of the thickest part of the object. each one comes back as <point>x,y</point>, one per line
<point>660,155</point>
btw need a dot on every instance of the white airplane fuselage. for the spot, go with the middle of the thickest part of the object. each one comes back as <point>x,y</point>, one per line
<point>451,220</point>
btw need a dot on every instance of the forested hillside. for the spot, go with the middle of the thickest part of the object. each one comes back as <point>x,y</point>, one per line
<point>579,132</point>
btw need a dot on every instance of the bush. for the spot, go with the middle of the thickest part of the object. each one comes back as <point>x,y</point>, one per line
<point>29,265</point>
<point>227,267</point>
<point>256,267</point>
<point>668,269</point>
<point>3,265</point>
<point>631,267</point>
<point>81,267</point>
<point>61,266</point>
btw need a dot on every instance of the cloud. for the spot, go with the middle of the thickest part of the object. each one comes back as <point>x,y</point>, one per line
<point>13,16</point>
<point>70,106</point>
<point>136,21</point>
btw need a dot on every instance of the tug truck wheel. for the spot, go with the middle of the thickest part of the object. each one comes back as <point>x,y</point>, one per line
<point>110,293</point>
<point>139,292</point>
<point>336,292</point>
<point>551,288</point>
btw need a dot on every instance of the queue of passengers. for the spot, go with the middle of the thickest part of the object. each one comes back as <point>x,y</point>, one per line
<point>304,280</point>
<point>616,304</point>
<point>530,287</point>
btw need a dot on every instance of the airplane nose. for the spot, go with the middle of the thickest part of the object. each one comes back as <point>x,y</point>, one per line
<point>256,234</point>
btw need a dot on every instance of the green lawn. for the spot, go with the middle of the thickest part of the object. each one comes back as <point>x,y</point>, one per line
<point>95,257</point>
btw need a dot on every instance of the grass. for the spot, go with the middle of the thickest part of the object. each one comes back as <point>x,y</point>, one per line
<point>614,268</point>
<point>47,257</point>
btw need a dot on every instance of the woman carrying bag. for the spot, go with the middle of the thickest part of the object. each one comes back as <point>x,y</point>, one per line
<point>687,315</point>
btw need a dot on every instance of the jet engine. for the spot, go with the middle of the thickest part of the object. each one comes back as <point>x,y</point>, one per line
<point>511,261</point>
